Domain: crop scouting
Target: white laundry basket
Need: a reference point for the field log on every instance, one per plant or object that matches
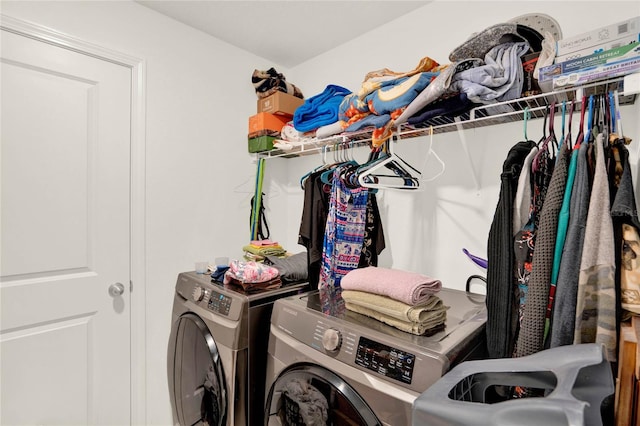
(572, 382)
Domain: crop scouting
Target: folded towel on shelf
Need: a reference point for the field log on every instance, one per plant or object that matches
(408, 287)
(319, 110)
(427, 313)
(386, 98)
(373, 78)
(329, 130)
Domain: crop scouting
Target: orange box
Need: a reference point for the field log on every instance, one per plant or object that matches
(266, 121)
(280, 103)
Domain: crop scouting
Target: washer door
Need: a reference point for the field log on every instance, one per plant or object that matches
(310, 394)
(199, 394)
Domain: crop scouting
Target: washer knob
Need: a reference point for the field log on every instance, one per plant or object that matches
(331, 339)
(198, 293)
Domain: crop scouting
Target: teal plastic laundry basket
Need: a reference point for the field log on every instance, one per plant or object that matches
(571, 381)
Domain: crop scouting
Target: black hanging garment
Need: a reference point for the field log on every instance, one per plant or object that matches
(500, 257)
(313, 222)
(626, 227)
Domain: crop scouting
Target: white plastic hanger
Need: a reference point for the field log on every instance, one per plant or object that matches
(431, 153)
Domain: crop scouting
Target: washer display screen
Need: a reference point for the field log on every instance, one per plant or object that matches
(219, 303)
(385, 360)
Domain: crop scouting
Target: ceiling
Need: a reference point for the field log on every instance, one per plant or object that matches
(284, 32)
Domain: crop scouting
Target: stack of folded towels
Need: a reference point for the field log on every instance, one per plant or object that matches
(257, 250)
(404, 300)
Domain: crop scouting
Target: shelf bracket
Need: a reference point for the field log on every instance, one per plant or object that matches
(463, 142)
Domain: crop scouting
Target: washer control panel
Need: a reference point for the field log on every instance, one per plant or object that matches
(219, 303)
(385, 360)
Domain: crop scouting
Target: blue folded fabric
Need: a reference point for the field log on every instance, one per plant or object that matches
(319, 110)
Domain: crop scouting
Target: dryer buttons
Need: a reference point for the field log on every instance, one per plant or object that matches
(331, 339)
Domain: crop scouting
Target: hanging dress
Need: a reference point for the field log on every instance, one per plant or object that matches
(343, 238)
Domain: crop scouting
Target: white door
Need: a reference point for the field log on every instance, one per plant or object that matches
(65, 188)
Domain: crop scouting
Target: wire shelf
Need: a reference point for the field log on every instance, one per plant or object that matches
(481, 116)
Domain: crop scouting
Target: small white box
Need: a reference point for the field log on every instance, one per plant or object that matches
(598, 36)
(598, 48)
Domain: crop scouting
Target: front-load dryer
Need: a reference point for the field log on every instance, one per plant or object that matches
(357, 370)
(217, 351)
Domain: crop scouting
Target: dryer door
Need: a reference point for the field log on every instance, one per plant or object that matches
(310, 394)
(199, 394)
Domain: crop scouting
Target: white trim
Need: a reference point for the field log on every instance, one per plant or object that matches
(137, 190)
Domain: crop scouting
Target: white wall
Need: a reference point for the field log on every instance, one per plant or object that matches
(198, 171)
(200, 177)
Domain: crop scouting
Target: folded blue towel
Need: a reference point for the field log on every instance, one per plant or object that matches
(319, 110)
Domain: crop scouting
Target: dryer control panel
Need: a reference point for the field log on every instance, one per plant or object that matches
(219, 303)
(385, 360)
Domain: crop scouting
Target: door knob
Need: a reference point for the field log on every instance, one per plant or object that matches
(116, 289)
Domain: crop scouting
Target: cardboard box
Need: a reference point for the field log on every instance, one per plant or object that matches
(598, 36)
(603, 58)
(266, 121)
(635, 38)
(261, 143)
(264, 133)
(599, 72)
(280, 103)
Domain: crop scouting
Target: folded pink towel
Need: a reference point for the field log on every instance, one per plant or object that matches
(407, 287)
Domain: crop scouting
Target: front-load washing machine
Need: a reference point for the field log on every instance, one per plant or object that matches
(350, 369)
(217, 351)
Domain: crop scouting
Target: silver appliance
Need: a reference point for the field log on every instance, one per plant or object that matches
(217, 351)
(368, 373)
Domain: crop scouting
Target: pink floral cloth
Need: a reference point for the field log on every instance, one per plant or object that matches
(250, 272)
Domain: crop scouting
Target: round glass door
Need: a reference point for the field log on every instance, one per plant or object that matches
(200, 396)
(306, 394)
